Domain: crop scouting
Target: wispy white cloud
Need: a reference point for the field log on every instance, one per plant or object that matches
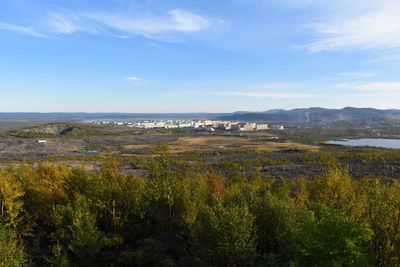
(124, 25)
(291, 3)
(60, 23)
(175, 20)
(264, 95)
(133, 79)
(388, 55)
(20, 29)
(272, 90)
(367, 24)
(358, 74)
(270, 95)
(343, 24)
(280, 86)
(371, 86)
(137, 80)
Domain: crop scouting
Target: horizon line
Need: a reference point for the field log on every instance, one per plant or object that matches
(184, 112)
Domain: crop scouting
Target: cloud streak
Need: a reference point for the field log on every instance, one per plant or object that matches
(174, 21)
(258, 94)
(266, 95)
(272, 90)
(372, 86)
(127, 24)
(61, 24)
(280, 86)
(21, 29)
(358, 25)
(336, 25)
(133, 79)
(358, 74)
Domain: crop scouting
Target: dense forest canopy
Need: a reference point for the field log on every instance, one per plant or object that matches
(186, 214)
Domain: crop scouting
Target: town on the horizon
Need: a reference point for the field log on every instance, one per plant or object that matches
(201, 125)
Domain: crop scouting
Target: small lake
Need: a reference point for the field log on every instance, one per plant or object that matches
(385, 143)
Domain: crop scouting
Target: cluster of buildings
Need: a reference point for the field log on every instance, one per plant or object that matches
(206, 125)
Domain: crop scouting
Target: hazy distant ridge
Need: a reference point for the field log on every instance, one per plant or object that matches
(316, 115)
(79, 116)
(275, 115)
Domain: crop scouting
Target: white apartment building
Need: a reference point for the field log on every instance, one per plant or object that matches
(262, 127)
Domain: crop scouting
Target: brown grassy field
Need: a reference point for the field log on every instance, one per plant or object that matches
(224, 143)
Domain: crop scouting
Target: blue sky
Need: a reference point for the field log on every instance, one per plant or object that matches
(198, 55)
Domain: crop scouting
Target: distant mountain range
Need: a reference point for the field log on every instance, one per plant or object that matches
(316, 115)
(82, 116)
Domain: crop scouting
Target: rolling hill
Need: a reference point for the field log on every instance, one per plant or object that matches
(316, 115)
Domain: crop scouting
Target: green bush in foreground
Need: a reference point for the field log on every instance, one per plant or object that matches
(11, 250)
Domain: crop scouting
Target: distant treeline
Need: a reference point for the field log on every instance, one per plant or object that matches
(182, 216)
